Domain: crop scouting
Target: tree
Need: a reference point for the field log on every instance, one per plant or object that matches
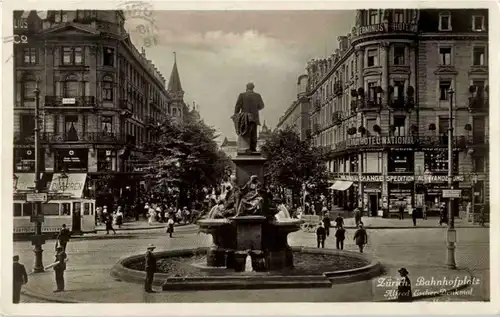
(185, 156)
(291, 163)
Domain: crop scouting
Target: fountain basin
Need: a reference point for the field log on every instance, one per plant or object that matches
(312, 269)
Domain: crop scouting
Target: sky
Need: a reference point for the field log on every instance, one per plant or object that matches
(219, 52)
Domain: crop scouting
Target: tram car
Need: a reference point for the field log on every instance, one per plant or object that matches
(63, 206)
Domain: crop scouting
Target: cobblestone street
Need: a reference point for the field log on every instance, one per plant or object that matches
(421, 251)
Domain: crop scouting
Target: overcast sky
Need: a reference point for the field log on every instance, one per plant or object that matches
(218, 52)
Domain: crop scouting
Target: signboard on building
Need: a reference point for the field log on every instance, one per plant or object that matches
(400, 178)
(452, 193)
(75, 186)
(68, 101)
(36, 197)
(381, 140)
(386, 28)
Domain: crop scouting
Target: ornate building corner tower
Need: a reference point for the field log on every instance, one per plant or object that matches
(174, 89)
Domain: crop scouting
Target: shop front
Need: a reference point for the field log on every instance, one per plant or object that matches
(72, 160)
(24, 160)
(400, 195)
(372, 199)
(345, 193)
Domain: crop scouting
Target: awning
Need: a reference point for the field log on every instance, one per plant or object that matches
(341, 185)
(76, 183)
(25, 181)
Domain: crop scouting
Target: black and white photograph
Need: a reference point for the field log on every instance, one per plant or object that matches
(250, 156)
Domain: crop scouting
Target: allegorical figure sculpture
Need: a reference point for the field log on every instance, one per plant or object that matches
(251, 200)
(246, 118)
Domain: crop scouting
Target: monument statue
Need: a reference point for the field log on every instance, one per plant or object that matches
(246, 119)
(251, 200)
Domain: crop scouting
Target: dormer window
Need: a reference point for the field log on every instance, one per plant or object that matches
(60, 16)
(373, 17)
(478, 23)
(398, 16)
(445, 21)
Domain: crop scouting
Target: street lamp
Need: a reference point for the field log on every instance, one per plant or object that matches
(451, 234)
(473, 198)
(15, 180)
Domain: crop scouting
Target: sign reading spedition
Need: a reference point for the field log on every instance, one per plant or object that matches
(386, 28)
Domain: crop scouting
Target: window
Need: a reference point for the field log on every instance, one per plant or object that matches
(373, 17)
(29, 56)
(398, 16)
(107, 124)
(29, 211)
(438, 161)
(352, 68)
(107, 88)
(72, 56)
(399, 125)
(444, 88)
(478, 56)
(399, 87)
(27, 124)
(479, 84)
(60, 16)
(71, 86)
(109, 56)
(444, 125)
(399, 55)
(445, 21)
(479, 164)
(28, 88)
(401, 161)
(17, 210)
(70, 128)
(372, 58)
(370, 123)
(445, 55)
(51, 209)
(372, 92)
(478, 23)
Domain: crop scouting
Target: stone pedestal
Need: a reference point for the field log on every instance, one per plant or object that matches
(216, 257)
(248, 164)
(276, 260)
(258, 261)
(240, 258)
(230, 259)
(249, 232)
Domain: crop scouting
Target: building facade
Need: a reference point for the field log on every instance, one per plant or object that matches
(380, 103)
(230, 147)
(99, 96)
(297, 115)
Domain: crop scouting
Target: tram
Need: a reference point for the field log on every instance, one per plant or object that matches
(63, 206)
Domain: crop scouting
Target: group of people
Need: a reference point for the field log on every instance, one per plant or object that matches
(323, 231)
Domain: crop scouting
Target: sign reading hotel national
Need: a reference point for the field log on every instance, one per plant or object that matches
(381, 140)
(386, 28)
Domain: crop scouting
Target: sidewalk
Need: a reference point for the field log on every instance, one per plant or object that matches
(137, 225)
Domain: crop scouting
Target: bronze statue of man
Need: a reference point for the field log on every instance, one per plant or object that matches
(246, 118)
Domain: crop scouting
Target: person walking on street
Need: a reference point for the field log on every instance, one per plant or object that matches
(361, 237)
(20, 278)
(357, 216)
(170, 226)
(64, 236)
(401, 212)
(109, 224)
(339, 222)
(404, 286)
(150, 269)
(59, 269)
(340, 237)
(327, 223)
(414, 217)
(321, 235)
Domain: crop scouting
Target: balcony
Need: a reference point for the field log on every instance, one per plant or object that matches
(23, 138)
(478, 104)
(125, 109)
(57, 103)
(367, 105)
(82, 137)
(336, 117)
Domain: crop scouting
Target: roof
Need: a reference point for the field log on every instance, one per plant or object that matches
(174, 84)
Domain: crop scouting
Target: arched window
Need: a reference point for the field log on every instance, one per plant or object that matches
(71, 86)
(107, 88)
(28, 86)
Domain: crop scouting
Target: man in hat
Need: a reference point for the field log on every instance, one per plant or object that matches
(20, 278)
(361, 237)
(321, 235)
(404, 286)
(59, 268)
(150, 269)
(64, 236)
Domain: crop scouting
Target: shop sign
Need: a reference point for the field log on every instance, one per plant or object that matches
(350, 178)
(400, 178)
(387, 27)
(452, 193)
(372, 178)
(441, 178)
(68, 101)
(381, 140)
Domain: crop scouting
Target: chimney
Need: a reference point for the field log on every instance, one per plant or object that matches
(143, 52)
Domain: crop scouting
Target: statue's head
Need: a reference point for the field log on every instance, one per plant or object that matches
(250, 86)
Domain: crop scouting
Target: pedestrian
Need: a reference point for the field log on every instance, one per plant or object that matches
(170, 226)
(357, 216)
(361, 237)
(150, 269)
(119, 217)
(20, 278)
(339, 221)
(327, 223)
(404, 286)
(340, 237)
(109, 224)
(482, 214)
(414, 217)
(321, 235)
(59, 269)
(64, 236)
(401, 212)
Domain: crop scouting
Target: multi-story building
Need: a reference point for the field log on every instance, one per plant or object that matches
(99, 96)
(380, 105)
(297, 115)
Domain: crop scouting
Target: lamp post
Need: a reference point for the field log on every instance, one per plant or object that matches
(473, 198)
(451, 234)
(38, 239)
